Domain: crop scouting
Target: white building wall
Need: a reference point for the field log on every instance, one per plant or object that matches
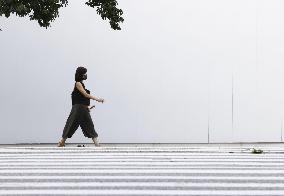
(178, 72)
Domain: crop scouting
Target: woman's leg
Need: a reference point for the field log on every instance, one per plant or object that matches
(61, 143)
(96, 142)
(71, 125)
(87, 126)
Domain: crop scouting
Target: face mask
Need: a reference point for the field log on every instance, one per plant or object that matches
(84, 76)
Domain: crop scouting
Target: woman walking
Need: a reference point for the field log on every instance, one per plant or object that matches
(80, 112)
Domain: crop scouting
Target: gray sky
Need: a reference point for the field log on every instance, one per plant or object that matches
(178, 71)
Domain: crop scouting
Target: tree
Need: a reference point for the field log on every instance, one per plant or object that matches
(46, 11)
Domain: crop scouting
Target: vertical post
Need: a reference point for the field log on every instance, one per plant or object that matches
(281, 130)
(233, 102)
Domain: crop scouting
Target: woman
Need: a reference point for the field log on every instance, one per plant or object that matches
(80, 112)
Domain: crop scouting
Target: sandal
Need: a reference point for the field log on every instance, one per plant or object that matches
(96, 142)
(61, 144)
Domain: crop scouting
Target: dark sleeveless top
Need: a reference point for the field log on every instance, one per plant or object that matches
(78, 97)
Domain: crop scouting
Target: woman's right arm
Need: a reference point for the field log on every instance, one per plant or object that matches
(80, 87)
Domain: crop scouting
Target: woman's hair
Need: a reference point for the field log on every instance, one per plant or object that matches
(80, 71)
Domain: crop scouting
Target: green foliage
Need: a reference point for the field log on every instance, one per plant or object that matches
(107, 9)
(46, 11)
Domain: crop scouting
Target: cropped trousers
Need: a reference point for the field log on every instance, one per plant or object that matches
(79, 116)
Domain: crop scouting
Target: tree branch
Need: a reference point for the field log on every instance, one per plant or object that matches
(46, 11)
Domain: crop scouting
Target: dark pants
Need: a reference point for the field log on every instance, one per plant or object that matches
(79, 115)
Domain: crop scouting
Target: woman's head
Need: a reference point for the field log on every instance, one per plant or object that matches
(81, 74)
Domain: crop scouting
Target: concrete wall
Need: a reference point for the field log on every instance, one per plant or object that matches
(179, 72)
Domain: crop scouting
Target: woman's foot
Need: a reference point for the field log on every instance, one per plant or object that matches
(61, 143)
(96, 142)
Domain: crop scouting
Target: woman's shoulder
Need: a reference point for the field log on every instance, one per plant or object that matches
(79, 83)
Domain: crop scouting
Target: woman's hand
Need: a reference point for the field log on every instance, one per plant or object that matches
(97, 99)
(101, 100)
